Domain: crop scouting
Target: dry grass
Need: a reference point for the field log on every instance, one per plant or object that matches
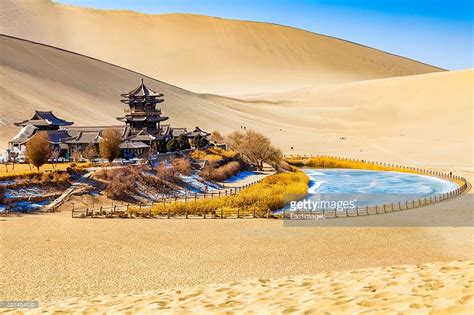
(265, 196)
(223, 172)
(24, 169)
(213, 154)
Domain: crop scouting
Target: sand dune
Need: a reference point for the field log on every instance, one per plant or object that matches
(432, 288)
(421, 118)
(200, 53)
(86, 91)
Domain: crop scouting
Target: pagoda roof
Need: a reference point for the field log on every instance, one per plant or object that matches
(44, 118)
(142, 91)
(54, 136)
(79, 132)
(24, 134)
(85, 137)
(176, 132)
(133, 145)
(155, 118)
(199, 131)
(143, 135)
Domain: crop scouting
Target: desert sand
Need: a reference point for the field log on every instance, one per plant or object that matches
(296, 87)
(432, 288)
(201, 53)
(422, 120)
(52, 257)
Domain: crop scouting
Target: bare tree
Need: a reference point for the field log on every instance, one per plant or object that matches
(54, 156)
(38, 149)
(150, 153)
(256, 149)
(5, 161)
(234, 140)
(217, 137)
(109, 144)
(182, 166)
(90, 152)
(76, 155)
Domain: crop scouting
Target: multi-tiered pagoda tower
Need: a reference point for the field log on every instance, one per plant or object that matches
(143, 114)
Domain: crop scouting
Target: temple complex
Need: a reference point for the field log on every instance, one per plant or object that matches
(142, 129)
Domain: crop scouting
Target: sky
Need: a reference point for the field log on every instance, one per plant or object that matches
(436, 32)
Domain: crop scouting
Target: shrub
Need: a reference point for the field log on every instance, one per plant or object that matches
(166, 174)
(122, 182)
(225, 171)
(182, 166)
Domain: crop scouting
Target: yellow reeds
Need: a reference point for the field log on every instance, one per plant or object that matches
(267, 195)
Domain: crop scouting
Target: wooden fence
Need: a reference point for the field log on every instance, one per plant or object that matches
(391, 207)
(146, 210)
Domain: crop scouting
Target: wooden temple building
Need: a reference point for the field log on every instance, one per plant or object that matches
(142, 129)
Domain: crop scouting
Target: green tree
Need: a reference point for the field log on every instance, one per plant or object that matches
(183, 142)
(173, 145)
(200, 141)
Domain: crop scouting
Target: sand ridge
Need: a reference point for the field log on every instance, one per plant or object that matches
(422, 120)
(202, 53)
(430, 288)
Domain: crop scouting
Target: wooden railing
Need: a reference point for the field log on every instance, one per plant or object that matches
(145, 209)
(391, 207)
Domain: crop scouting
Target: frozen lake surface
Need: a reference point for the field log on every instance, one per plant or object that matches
(373, 187)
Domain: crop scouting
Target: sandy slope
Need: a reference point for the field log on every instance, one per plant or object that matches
(421, 120)
(86, 91)
(203, 53)
(432, 288)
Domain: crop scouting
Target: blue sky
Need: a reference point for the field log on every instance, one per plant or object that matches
(436, 32)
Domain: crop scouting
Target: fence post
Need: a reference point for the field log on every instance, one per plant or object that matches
(222, 213)
(268, 213)
(238, 212)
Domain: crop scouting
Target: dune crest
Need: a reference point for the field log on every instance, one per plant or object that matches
(413, 114)
(432, 288)
(202, 53)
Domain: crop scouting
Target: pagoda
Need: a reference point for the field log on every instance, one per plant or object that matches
(142, 114)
